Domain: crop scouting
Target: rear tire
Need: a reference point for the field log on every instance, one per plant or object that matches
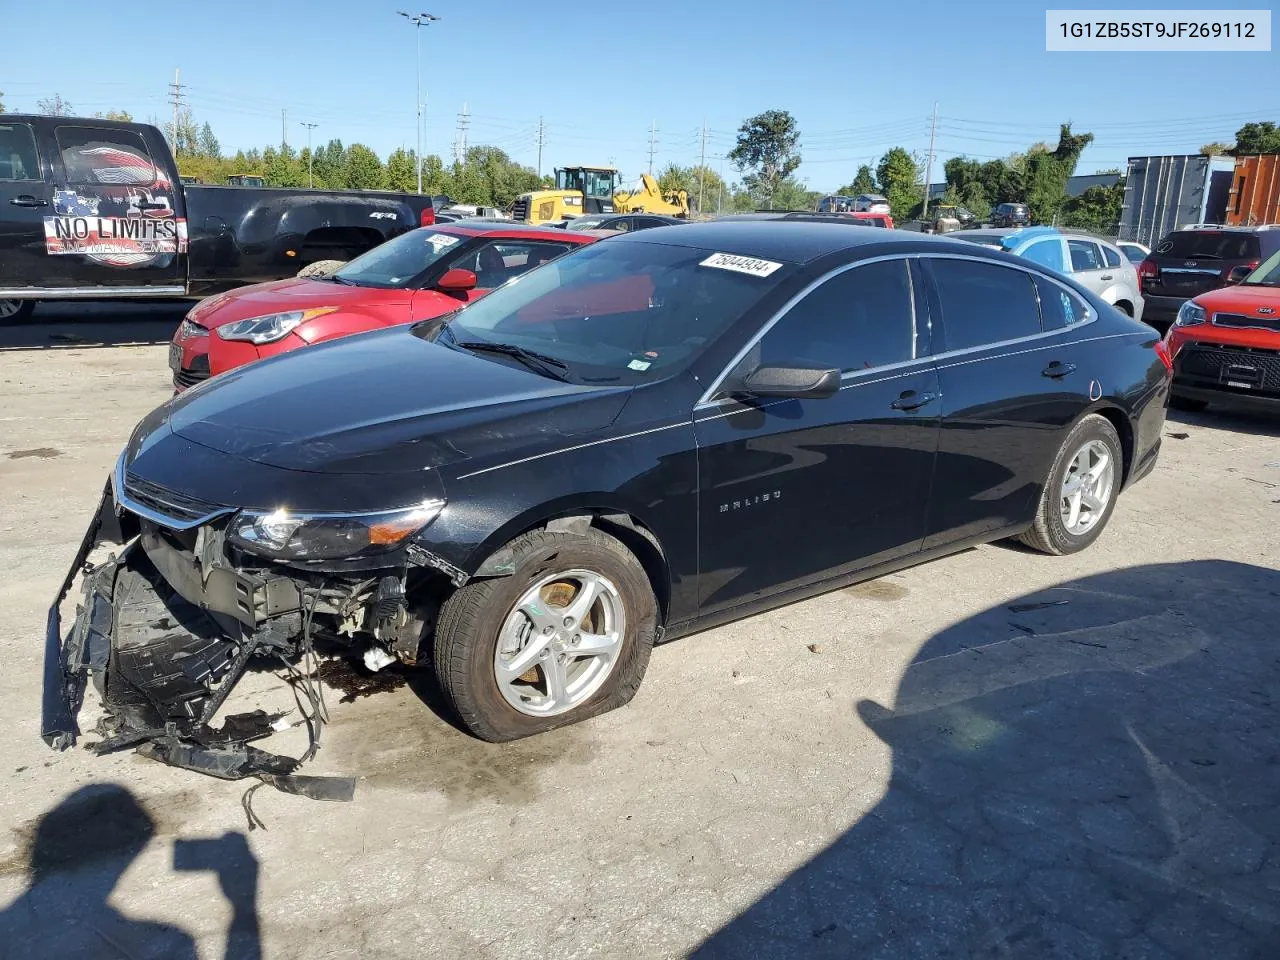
(478, 617)
(13, 312)
(1069, 492)
(1186, 404)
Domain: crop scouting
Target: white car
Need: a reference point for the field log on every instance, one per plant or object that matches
(1133, 251)
(870, 203)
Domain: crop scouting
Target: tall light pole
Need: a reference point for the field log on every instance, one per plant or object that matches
(310, 152)
(418, 20)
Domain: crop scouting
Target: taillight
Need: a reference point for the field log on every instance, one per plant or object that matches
(428, 217)
(1162, 351)
(1147, 271)
(1252, 265)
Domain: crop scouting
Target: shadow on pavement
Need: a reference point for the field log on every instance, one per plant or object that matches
(81, 325)
(78, 853)
(1088, 772)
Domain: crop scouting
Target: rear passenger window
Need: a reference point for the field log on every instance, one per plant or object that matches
(984, 303)
(1059, 307)
(858, 319)
(1113, 256)
(98, 155)
(18, 158)
(1084, 255)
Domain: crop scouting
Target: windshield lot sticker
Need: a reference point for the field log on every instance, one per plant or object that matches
(441, 241)
(639, 365)
(731, 261)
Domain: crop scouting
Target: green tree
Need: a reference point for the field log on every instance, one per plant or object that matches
(402, 171)
(330, 166)
(184, 138)
(1097, 208)
(707, 189)
(364, 171)
(435, 178)
(863, 182)
(284, 168)
(469, 185)
(207, 143)
(1, 101)
(898, 175)
(123, 115)
(791, 194)
(1048, 172)
(1218, 149)
(767, 152)
(1257, 138)
(504, 178)
(54, 106)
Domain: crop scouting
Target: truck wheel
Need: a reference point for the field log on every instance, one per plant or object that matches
(321, 268)
(1080, 491)
(564, 637)
(15, 311)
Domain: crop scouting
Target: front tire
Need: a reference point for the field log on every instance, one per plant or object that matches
(509, 651)
(15, 311)
(1080, 492)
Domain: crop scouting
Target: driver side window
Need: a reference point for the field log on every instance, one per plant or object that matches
(497, 262)
(857, 320)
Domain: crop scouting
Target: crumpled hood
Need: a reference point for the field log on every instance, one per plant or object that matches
(384, 402)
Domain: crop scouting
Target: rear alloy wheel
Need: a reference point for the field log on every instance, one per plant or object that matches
(1081, 490)
(15, 311)
(566, 636)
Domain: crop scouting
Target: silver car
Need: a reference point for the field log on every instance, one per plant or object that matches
(1092, 262)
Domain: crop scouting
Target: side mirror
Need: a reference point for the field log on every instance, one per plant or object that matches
(1238, 274)
(456, 280)
(791, 380)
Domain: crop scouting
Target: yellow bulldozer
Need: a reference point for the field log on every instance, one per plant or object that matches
(583, 190)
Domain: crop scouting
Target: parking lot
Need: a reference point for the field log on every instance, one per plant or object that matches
(999, 754)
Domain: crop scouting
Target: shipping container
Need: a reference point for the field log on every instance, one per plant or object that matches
(1255, 192)
(1163, 194)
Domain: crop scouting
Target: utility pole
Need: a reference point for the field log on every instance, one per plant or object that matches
(284, 129)
(418, 21)
(175, 97)
(541, 141)
(310, 153)
(928, 166)
(653, 131)
(460, 142)
(702, 164)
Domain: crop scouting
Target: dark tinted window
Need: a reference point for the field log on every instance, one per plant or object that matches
(1209, 245)
(18, 159)
(984, 303)
(97, 155)
(1112, 257)
(1058, 307)
(858, 319)
(497, 262)
(1084, 255)
(1134, 254)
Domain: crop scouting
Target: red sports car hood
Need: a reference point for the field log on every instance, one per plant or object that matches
(296, 293)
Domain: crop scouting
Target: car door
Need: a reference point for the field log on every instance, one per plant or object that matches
(115, 217)
(26, 197)
(793, 491)
(1088, 266)
(1011, 383)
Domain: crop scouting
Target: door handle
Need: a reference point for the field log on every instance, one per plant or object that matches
(1058, 369)
(1107, 276)
(26, 200)
(910, 400)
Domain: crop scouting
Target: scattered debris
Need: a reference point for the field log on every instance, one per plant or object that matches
(1204, 763)
(1272, 464)
(1087, 643)
(1024, 607)
(1029, 631)
(823, 931)
(1178, 436)
(737, 673)
(815, 648)
(41, 453)
(1265, 483)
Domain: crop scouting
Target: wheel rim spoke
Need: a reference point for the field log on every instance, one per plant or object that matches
(1086, 487)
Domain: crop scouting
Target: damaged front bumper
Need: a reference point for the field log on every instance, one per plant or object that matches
(165, 637)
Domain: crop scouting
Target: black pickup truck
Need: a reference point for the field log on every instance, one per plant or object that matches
(95, 209)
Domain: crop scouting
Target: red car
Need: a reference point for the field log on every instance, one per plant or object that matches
(416, 276)
(874, 219)
(1226, 345)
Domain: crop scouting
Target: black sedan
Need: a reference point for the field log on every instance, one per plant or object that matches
(625, 222)
(650, 436)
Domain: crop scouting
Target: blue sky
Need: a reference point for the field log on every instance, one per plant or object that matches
(859, 78)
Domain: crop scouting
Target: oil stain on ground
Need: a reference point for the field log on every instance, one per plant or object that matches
(40, 453)
(404, 739)
(877, 590)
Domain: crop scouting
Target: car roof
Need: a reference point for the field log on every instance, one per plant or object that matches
(774, 238)
(494, 228)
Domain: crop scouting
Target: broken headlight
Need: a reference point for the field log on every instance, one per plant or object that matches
(285, 535)
(269, 328)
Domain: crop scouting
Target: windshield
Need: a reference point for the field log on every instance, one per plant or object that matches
(584, 223)
(619, 312)
(1135, 254)
(1209, 245)
(395, 263)
(1268, 274)
(600, 183)
(985, 240)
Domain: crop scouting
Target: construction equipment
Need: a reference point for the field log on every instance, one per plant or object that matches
(583, 190)
(645, 196)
